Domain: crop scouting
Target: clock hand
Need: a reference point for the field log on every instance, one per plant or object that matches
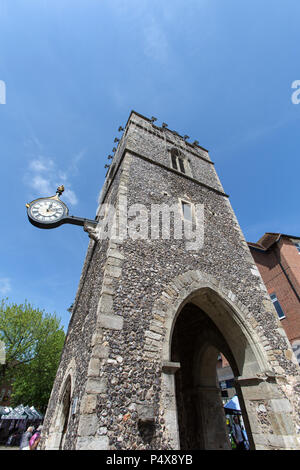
(51, 204)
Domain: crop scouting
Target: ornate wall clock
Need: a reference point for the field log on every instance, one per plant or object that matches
(50, 212)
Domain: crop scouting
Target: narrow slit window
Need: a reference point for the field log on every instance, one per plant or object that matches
(181, 165)
(277, 306)
(111, 171)
(174, 162)
(297, 245)
(187, 211)
(178, 161)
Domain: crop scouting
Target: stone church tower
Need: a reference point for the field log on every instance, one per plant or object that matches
(167, 285)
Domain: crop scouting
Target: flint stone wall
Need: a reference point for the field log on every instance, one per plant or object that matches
(118, 325)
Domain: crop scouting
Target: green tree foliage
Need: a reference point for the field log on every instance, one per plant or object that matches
(33, 344)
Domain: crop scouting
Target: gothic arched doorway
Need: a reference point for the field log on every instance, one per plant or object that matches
(196, 344)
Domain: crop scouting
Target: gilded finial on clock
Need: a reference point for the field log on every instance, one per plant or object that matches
(60, 190)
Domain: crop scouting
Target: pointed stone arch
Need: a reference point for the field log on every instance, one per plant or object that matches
(194, 286)
(255, 377)
(55, 439)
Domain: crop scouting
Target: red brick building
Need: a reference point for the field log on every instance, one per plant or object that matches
(277, 257)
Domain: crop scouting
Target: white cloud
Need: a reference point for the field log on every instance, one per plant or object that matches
(42, 185)
(5, 285)
(41, 165)
(44, 176)
(70, 196)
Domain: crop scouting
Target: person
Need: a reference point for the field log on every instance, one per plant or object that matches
(14, 439)
(33, 443)
(9, 441)
(24, 445)
(237, 434)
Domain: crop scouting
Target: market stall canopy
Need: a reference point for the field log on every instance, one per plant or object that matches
(22, 412)
(233, 405)
(4, 410)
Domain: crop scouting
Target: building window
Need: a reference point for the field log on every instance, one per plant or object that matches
(297, 245)
(187, 210)
(277, 306)
(296, 349)
(178, 162)
(111, 171)
(174, 162)
(181, 165)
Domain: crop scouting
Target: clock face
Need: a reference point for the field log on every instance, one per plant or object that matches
(47, 211)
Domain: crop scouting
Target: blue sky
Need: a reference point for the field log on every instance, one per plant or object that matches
(218, 71)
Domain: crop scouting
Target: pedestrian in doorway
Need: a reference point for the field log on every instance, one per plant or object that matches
(237, 434)
(34, 441)
(24, 445)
